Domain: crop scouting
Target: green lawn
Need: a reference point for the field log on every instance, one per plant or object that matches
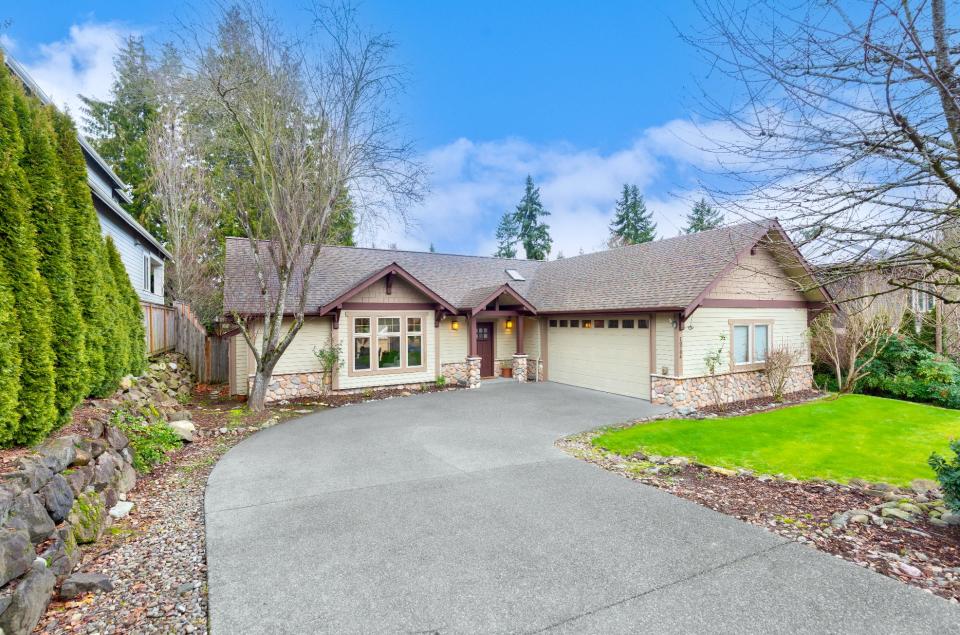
(855, 436)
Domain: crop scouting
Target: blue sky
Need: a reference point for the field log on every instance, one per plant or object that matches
(584, 96)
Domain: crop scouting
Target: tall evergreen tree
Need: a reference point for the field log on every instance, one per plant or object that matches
(532, 232)
(632, 224)
(343, 222)
(507, 236)
(118, 126)
(116, 353)
(9, 361)
(21, 258)
(702, 218)
(86, 252)
(128, 306)
(40, 164)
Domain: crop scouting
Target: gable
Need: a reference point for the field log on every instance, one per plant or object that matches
(756, 276)
(400, 291)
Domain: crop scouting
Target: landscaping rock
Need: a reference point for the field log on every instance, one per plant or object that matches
(79, 478)
(63, 554)
(30, 476)
(860, 519)
(126, 478)
(6, 503)
(88, 517)
(106, 468)
(96, 428)
(57, 497)
(910, 508)
(98, 447)
(896, 512)
(184, 415)
(922, 485)
(722, 471)
(16, 553)
(27, 600)
(58, 454)
(82, 583)
(117, 439)
(950, 518)
(29, 509)
(909, 569)
(184, 429)
(121, 509)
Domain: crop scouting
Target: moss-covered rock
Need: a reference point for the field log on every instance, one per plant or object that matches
(88, 517)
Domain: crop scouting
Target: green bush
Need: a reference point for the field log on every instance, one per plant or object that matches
(948, 475)
(9, 361)
(46, 213)
(129, 308)
(21, 259)
(906, 369)
(150, 441)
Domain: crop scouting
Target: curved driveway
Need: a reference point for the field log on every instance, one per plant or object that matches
(453, 512)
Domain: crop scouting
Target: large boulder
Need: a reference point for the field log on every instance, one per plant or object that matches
(125, 479)
(89, 517)
(117, 439)
(79, 478)
(183, 429)
(27, 600)
(57, 497)
(63, 554)
(29, 509)
(16, 553)
(105, 470)
(58, 454)
(29, 477)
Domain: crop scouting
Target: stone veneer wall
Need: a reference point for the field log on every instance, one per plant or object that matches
(520, 368)
(59, 496)
(697, 392)
(310, 386)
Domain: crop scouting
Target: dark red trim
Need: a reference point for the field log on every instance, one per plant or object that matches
(472, 326)
(746, 303)
(389, 306)
(627, 311)
(504, 288)
(496, 314)
(393, 269)
(390, 283)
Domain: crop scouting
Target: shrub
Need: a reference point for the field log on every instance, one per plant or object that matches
(441, 381)
(150, 441)
(777, 368)
(905, 369)
(129, 308)
(948, 475)
(9, 361)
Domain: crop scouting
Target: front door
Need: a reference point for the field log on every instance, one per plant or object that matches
(485, 348)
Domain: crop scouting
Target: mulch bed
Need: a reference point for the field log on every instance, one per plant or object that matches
(917, 553)
(760, 404)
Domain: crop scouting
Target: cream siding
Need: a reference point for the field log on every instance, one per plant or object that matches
(611, 360)
(704, 328)
(401, 291)
(665, 339)
(505, 344)
(239, 358)
(757, 277)
(531, 337)
(360, 380)
(454, 345)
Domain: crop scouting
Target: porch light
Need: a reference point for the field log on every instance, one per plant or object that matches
(509, 324)
(455, 325)
(588, 324)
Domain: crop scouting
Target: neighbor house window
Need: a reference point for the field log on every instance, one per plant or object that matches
(361, 344)
(922, 300)
(750, 343)
(147, 274)
(414, 341)
(388, 342)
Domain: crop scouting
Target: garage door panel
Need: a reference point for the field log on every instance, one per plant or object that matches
(612, 360)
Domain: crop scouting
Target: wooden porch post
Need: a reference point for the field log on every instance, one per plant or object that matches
(472, 326)
(519, 335)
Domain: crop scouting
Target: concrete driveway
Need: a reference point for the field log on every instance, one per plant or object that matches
(454, 513)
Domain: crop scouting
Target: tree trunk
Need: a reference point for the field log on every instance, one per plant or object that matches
(261, 380)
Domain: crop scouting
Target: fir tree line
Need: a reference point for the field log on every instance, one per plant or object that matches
(70, 321)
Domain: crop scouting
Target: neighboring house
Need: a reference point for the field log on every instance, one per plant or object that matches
(142, 254)
(636, 321)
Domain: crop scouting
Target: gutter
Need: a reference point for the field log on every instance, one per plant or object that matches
(127, 218)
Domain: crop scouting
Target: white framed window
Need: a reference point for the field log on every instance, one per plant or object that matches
(414, 342)
(388, 342)
(749, 343)
(921, 300)
(147, 274)
(361, 343)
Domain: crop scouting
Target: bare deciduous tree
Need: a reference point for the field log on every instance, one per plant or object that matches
(311, 113)
(777, 368)
(850, 349)
(181, 192)
(846, 127)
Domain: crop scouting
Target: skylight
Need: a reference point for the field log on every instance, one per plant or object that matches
(514, 274)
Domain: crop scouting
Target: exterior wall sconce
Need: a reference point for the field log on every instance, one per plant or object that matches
(455, 325)
(588, 324)
(509, 324)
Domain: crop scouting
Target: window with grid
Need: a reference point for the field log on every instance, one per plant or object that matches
(414, 341)
(361, 344)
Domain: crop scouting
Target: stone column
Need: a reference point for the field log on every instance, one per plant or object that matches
(473, 372)
(520, 368)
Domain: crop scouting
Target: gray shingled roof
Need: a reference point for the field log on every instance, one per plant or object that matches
(666, 274)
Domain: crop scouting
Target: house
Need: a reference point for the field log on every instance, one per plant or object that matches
(143, 256)
(636, 321)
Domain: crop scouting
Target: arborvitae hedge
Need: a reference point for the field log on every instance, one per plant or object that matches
(46, 211)
(20, 255)
(9, 361)
(86, 253)
(70, 320)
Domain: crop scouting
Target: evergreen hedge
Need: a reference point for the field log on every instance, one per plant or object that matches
(70, 320)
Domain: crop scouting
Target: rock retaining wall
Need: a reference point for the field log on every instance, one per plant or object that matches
(691, 393)
(58, 497)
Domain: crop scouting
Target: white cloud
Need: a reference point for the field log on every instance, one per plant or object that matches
(474, 183)
(8, 43)
(82, 63)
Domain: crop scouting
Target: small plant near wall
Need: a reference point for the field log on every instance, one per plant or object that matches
(150, 441)
(777, 369)
(714, 362)
(441, 381)
(330, 358)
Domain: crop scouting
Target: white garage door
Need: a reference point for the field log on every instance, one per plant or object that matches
(611, 354)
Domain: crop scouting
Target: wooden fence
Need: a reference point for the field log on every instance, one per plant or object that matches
(159, 326)
(208, 354)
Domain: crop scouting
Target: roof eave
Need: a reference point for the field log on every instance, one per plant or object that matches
(128, 219)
